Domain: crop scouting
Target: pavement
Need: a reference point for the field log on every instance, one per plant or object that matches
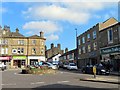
(103, 79)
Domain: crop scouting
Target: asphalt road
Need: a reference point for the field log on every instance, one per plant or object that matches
(62, 79)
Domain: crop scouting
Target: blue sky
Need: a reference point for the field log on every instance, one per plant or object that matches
(57, 20)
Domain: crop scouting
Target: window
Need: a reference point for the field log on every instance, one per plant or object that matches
(83, 39)
(94, 34)
(21, 42)
(33, 42)
(6, 50)
(2, 51)
(42, 43)
(22, 50)
(70, 56)
(110, 36)
(95, 46)
(89, 48)
(79, 42)
(83, 49)
(19, 51)
(64, 57)
(23, 62)
(79, 50)
(88, 37)
(42, 51)
(14, 50)
(33, 51)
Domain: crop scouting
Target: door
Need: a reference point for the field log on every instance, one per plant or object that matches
(19, 63)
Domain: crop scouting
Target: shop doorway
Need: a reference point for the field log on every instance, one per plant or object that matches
(32, 61)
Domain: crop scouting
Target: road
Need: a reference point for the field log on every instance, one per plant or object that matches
(61, 79)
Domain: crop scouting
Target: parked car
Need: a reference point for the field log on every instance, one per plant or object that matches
(65, 65)
(3, 66)
(50, 65)
(72, 66)
(99, 70)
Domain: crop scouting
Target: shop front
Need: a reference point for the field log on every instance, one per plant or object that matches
(33, 59)
(19, 61)
(6, 60)
(112, 55)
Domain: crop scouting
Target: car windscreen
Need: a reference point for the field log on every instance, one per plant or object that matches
(72, 65)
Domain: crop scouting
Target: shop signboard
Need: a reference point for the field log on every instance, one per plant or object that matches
(115, 49)
(19, 57)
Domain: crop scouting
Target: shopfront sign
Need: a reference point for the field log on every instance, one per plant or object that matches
(115, 49)
(5, 58)
(19, 57)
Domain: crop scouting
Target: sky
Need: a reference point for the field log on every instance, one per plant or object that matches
(58, 20)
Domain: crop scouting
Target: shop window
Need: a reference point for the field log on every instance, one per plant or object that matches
(23, 62)
(110, 36)
(95, 46)
(89, 48)
(94, 34)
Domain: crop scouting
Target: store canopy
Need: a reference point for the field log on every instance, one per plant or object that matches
(5, 58)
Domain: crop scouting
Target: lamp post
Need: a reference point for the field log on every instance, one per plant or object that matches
(76, 47)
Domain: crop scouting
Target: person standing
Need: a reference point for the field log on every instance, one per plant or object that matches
(94, 71)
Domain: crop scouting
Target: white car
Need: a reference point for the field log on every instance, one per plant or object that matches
(50, 65)
(72, 66)
(2, 66)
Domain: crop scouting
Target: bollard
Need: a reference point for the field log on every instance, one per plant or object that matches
(94, 71)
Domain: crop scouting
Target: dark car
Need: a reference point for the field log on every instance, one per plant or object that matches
(99, 70)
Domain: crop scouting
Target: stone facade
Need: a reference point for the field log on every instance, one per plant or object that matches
(19, 48)
(53, 51)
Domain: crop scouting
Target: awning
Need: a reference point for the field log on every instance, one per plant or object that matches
(5, 58)
(19, 57)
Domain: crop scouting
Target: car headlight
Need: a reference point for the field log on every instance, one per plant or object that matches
(103, 70)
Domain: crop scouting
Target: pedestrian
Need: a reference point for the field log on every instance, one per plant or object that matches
(94, 71)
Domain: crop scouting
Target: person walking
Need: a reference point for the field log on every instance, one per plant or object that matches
(94, 71)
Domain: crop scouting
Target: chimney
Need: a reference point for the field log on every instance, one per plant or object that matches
(58, 45)
(17, 30)
(41, 34)
(66, 50)
(52, 45)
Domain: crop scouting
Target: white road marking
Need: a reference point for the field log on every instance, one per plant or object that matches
(63, 81)
(37, 83)
(8, 84)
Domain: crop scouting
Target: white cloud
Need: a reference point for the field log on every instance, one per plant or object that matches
(46, 26)
(52, 37)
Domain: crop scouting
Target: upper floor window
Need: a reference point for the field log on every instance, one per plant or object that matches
(79, 42)
(33, 50)
(70, 56)
(110, 36)
(34, 42)
(20, 42)
(95, 46)
(83, 49)
(88, 37)
(94, 34)
(79, 51)
(89, 48)
(83, 39)
(42, 43)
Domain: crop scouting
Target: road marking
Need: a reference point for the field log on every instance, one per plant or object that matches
(63, 81)
(37, 83)
(8, 84)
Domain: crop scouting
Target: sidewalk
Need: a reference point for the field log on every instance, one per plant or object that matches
(115, 73)
(103, 79)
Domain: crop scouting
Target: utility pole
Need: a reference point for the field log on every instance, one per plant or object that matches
(76, 48)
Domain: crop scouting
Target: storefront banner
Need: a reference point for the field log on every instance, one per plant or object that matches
(110, 50)
(5, 58)
(37, 57)
(19, 57)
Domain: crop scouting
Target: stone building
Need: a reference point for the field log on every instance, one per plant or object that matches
(110, 45)
(88, 46)
(53, 51)
(19, 50)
